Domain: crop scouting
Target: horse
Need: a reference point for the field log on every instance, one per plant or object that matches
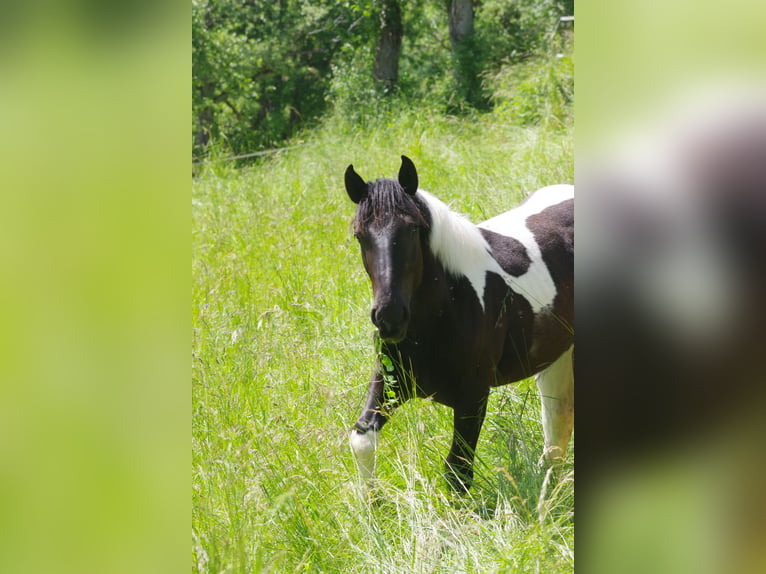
(460, 309)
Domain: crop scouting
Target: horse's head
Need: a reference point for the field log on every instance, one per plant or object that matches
(390, 226)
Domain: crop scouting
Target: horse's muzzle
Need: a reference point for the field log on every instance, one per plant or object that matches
(391, 320)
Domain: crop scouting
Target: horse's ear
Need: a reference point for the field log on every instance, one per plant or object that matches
(355, 185)
(408, 176)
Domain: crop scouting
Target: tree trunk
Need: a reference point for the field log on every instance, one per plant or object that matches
(202, 132)
(389, 43)
(460, 21)
(466, 60)
(205, 118)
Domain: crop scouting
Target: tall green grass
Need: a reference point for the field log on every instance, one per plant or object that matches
(282, 351)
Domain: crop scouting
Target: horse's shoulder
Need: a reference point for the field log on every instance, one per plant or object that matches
(509, 251)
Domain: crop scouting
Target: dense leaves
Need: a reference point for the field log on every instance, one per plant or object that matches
(261, 69)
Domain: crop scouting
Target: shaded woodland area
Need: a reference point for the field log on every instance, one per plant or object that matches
(262, 70)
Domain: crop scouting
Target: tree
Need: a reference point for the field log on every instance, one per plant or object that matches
(386, 68)
(460, 21)
(465, 57)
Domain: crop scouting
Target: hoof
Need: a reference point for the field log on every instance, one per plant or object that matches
(363, 446)
(552, 456)
(459, 477)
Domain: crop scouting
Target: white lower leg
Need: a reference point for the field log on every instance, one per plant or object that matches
(363, 446)
(556, 386)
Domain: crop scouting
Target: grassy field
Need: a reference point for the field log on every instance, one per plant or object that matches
(282, 351)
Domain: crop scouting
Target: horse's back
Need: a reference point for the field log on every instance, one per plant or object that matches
(511, 222)
(544, 225)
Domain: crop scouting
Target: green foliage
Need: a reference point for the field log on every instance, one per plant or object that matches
(426, 62)
(263, 70)
(536, 92)
(282, 350)
(504, 31)
(516, 30)
(260, 68)
(425, 77)
(353, 92)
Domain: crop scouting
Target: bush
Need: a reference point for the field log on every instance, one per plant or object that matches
(261, 69)
(353, 92)
(540, 91)
(518, 29)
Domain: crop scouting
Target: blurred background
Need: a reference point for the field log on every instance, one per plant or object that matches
(671, 213)
(94, 244)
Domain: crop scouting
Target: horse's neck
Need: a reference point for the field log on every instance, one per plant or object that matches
(433, 295)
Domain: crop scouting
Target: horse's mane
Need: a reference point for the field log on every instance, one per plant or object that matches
(459, 245)
(386, 200)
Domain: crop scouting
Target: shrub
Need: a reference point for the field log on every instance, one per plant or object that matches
(540, 91)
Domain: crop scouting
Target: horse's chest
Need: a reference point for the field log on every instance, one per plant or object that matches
(457, 351)
(465, 347)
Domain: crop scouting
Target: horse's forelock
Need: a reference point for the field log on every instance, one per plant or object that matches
(387, 200)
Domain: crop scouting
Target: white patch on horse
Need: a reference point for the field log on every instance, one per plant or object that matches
(462, 249)
(536, 285)
(363, 446)
(459, 245)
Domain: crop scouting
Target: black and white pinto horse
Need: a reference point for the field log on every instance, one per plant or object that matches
(461, 308)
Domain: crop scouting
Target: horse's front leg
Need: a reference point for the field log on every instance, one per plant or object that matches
(469, 417)
(382, 399)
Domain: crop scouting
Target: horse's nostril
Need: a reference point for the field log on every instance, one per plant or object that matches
(391, 320)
